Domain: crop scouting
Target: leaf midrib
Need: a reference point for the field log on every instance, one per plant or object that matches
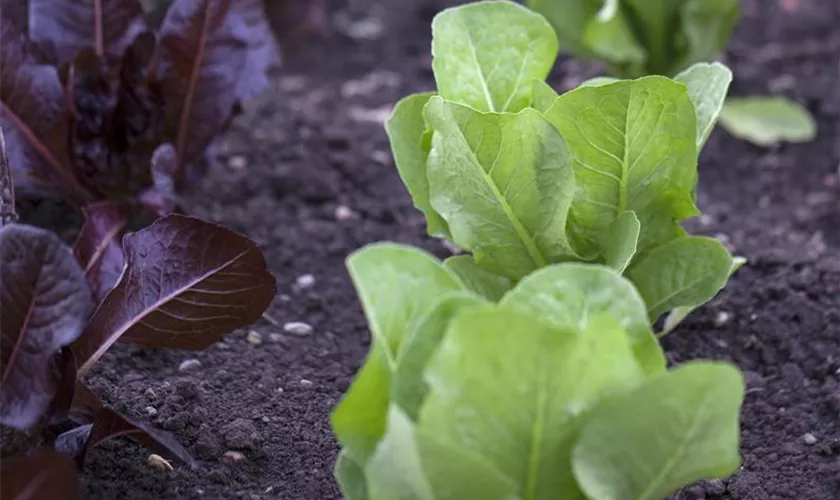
(529, 243)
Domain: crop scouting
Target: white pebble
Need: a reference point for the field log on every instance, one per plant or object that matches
(237, 162)
(809, 438)
(254, 338)
(159, 463)
(189, 364)
(722, 318)
(305, 281)
(234, 456)
(151, 411)
(343, 213)
(303, 381)
(297, 328)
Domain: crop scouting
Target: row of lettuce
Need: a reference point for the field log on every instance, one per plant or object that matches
(528, 366)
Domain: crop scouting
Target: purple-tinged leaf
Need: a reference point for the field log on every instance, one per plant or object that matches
(105, 26)
(33, 115)
(108, 425)
(93, 97)
(203, 56)
(263, 54)
(161, 199)
(64, 368)
(186, 284)
(98, 249)
(44, 303)
(46, 475)
(139, 114)
(7, 188)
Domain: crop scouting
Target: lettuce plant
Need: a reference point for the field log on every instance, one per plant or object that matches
(558, 390)
(522, 178)
(635, 38)
(98, 106)
(180, 282)
(638, 37)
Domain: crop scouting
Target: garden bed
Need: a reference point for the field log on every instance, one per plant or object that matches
(307, 173)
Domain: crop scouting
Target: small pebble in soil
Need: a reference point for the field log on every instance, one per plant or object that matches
(233, 456)
(297, 328)
(150, 393)
(722, 318)
(254, 338)
(237, 162)
(343, 213)
(305, 382)
(189, 364)
(809, 438)
(304, 281)
(151, 411)
(275, 337)
(159, 463)
(240, 435)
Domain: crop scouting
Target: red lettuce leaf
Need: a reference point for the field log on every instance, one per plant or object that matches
(161, 198)
(46, 475)
(203, 56)
(98, 249)
(44, 303)
(8, 213)
(186, 284)
(33, 115)
(108, 425)
(263, 54)
(92, 95)
(139, 115)
(106, 27)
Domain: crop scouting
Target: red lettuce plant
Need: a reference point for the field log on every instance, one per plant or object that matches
(180, 282)
(96, 106)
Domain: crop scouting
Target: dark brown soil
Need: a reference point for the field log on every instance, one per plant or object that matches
(317, 144)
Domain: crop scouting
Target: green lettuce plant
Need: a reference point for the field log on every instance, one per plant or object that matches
(521, 178)
(528, 368)
(558, 390)
(635, 38)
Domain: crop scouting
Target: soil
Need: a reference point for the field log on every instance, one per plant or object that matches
(313, 151)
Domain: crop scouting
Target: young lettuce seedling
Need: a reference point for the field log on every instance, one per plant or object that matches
(97, 106)
(642, 37)
(180, 282)
(520, 177)
(557, 391)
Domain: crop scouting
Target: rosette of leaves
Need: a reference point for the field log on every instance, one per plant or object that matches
(180, 283)
(556, 389)
(98, 106)
(522, 178)
(635, 38)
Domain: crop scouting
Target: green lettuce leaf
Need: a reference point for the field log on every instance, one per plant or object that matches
(673, 430)
(411, 464)
(707, 87)
(572, 295)
(487, 55)
(396, 285)
(410, 143)
(503, 183)
(509, 389)
(768, 120)
(409, 388)
(685, 272)
(476, 279)
(634, 148)
(621, 241)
